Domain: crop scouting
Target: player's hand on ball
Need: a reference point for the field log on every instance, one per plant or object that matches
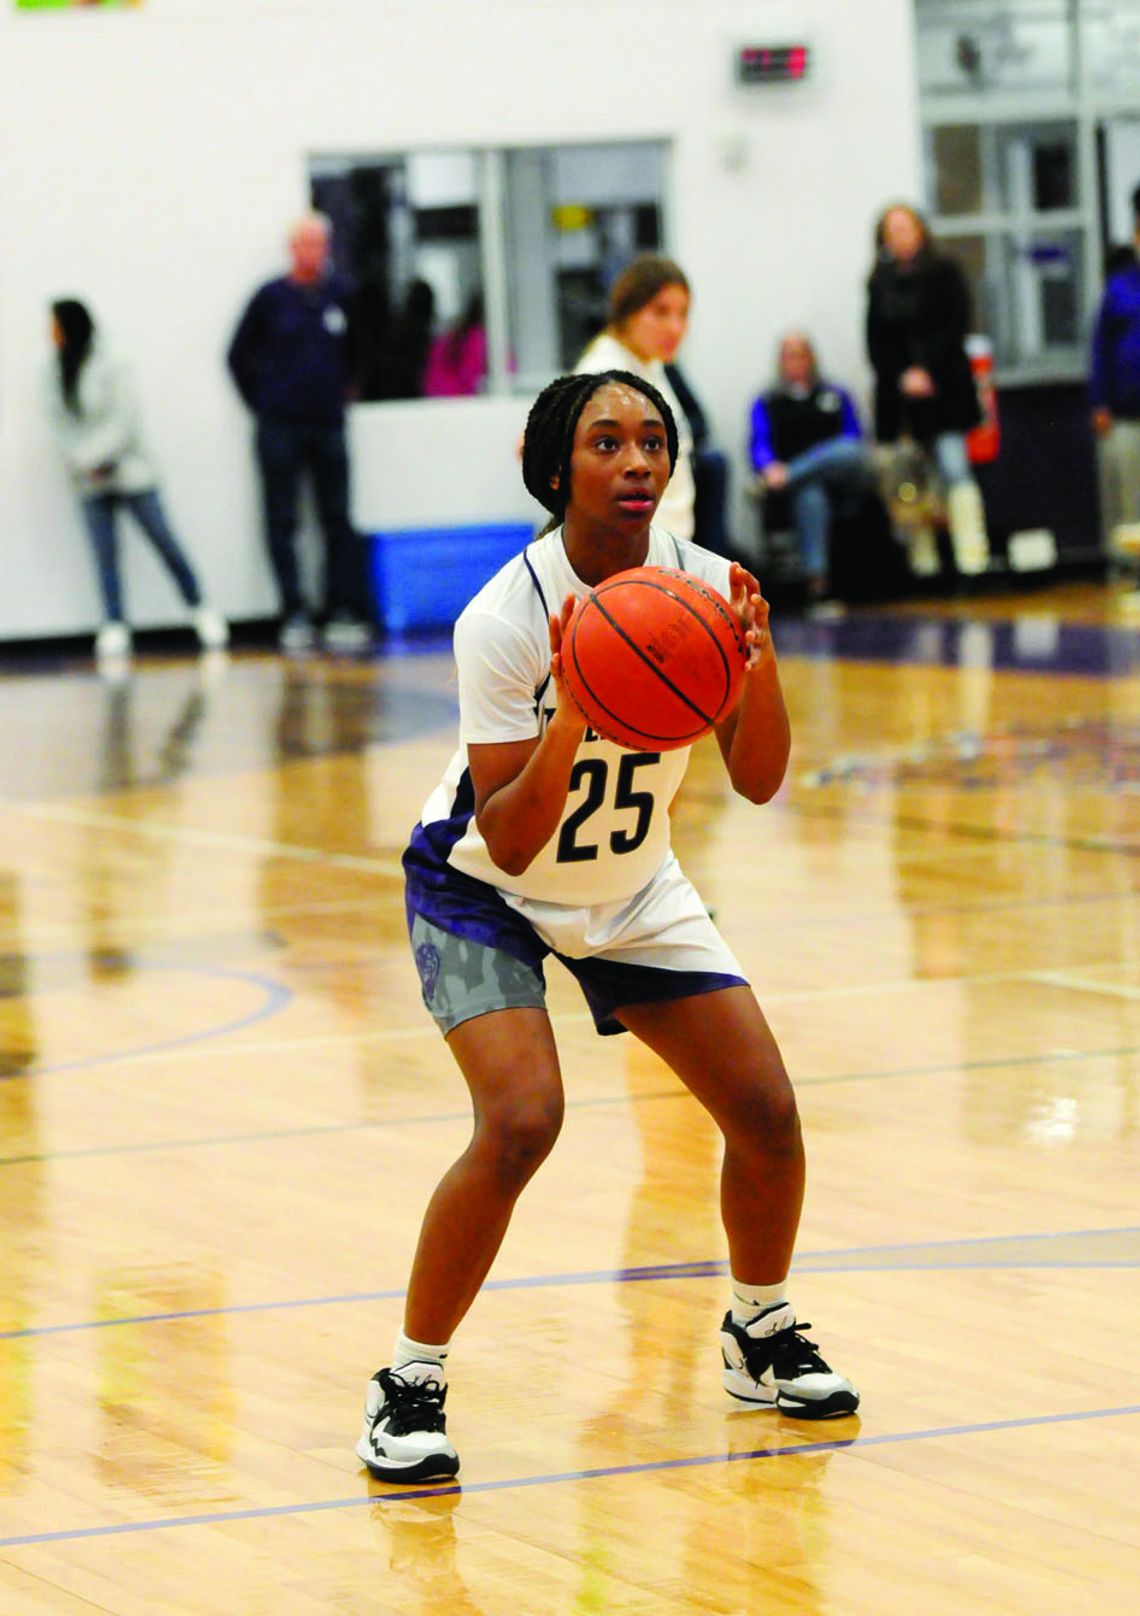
(567, 709)
(752, 611)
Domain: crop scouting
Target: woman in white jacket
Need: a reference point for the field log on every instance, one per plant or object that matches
(94, 414)
(649, 312)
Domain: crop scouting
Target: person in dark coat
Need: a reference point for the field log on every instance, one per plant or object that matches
(293, 359)
(918, 318)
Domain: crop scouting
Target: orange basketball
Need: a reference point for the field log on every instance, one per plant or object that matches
(653, 658)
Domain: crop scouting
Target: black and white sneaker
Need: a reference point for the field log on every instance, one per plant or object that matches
(405, 1429)
(769, 1363)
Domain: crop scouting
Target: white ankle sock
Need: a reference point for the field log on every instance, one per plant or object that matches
(748, 1300)
(407, 1351)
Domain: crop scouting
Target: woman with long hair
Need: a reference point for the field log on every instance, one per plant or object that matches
(648, 317)
(918, 319)
(95, 417)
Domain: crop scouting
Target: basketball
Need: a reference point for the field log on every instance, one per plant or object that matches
(653, 658)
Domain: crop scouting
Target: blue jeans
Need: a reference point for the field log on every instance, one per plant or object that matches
(952, 459)
(833, 478)
(100, 512)
(286, 449)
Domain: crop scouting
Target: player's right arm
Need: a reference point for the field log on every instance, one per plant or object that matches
(521, 786)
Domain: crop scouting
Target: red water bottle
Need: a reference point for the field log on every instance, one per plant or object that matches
(984, 441)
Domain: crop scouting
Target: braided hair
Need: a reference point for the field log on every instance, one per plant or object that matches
(549, 439)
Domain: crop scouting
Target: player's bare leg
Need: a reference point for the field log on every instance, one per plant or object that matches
(510, 1064)
(511, 1067)
(722, 1049)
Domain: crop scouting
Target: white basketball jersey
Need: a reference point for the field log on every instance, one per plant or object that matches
(614, 832)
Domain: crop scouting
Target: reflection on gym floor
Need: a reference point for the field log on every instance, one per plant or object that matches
(222, 1107)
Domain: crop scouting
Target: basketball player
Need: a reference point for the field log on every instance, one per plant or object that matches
(544, 839)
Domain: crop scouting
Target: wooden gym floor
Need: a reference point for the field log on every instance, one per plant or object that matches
(222, 1108)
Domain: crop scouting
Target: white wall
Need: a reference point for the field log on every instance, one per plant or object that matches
(1122, 139)
(150, 160)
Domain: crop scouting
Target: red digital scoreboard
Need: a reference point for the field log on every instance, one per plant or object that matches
(772, 64)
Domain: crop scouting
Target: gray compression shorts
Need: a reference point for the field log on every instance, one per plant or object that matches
(464, 977)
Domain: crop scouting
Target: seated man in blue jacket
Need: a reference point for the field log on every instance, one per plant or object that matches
(808, 449)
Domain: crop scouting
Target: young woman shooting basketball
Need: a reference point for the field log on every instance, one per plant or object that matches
(543, 839)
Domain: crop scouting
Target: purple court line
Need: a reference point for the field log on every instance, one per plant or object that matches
(556, 1478)
(977, 833)
(314, 1131)
(1045, 1058)
(263, 1136)
(711, 1268)
(900, 639)
(277, 996)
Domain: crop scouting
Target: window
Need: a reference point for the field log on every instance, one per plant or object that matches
(1111, 46)
(1010, 107)
(575, 216)
(406, 232)
(486, 271)
(1006, 206)
(988, 47)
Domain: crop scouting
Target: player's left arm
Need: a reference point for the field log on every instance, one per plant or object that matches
(521, 787)
(755, 739)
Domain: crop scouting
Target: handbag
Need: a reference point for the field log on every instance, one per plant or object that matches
(910, 486)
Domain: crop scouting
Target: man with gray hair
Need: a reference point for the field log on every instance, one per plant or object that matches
(293, 360)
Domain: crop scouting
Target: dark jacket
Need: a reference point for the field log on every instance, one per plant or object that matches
(786, 424)
(293, 354)
(694, 413)
(920, 315)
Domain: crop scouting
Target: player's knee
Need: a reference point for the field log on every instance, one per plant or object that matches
(769, 1123)
(523, 1138)
(784, 1124)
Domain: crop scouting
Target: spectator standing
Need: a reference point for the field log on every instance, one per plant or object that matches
(918, 318)
(1114, 394)
(94, 413)
(808, 451)
(293, 360)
